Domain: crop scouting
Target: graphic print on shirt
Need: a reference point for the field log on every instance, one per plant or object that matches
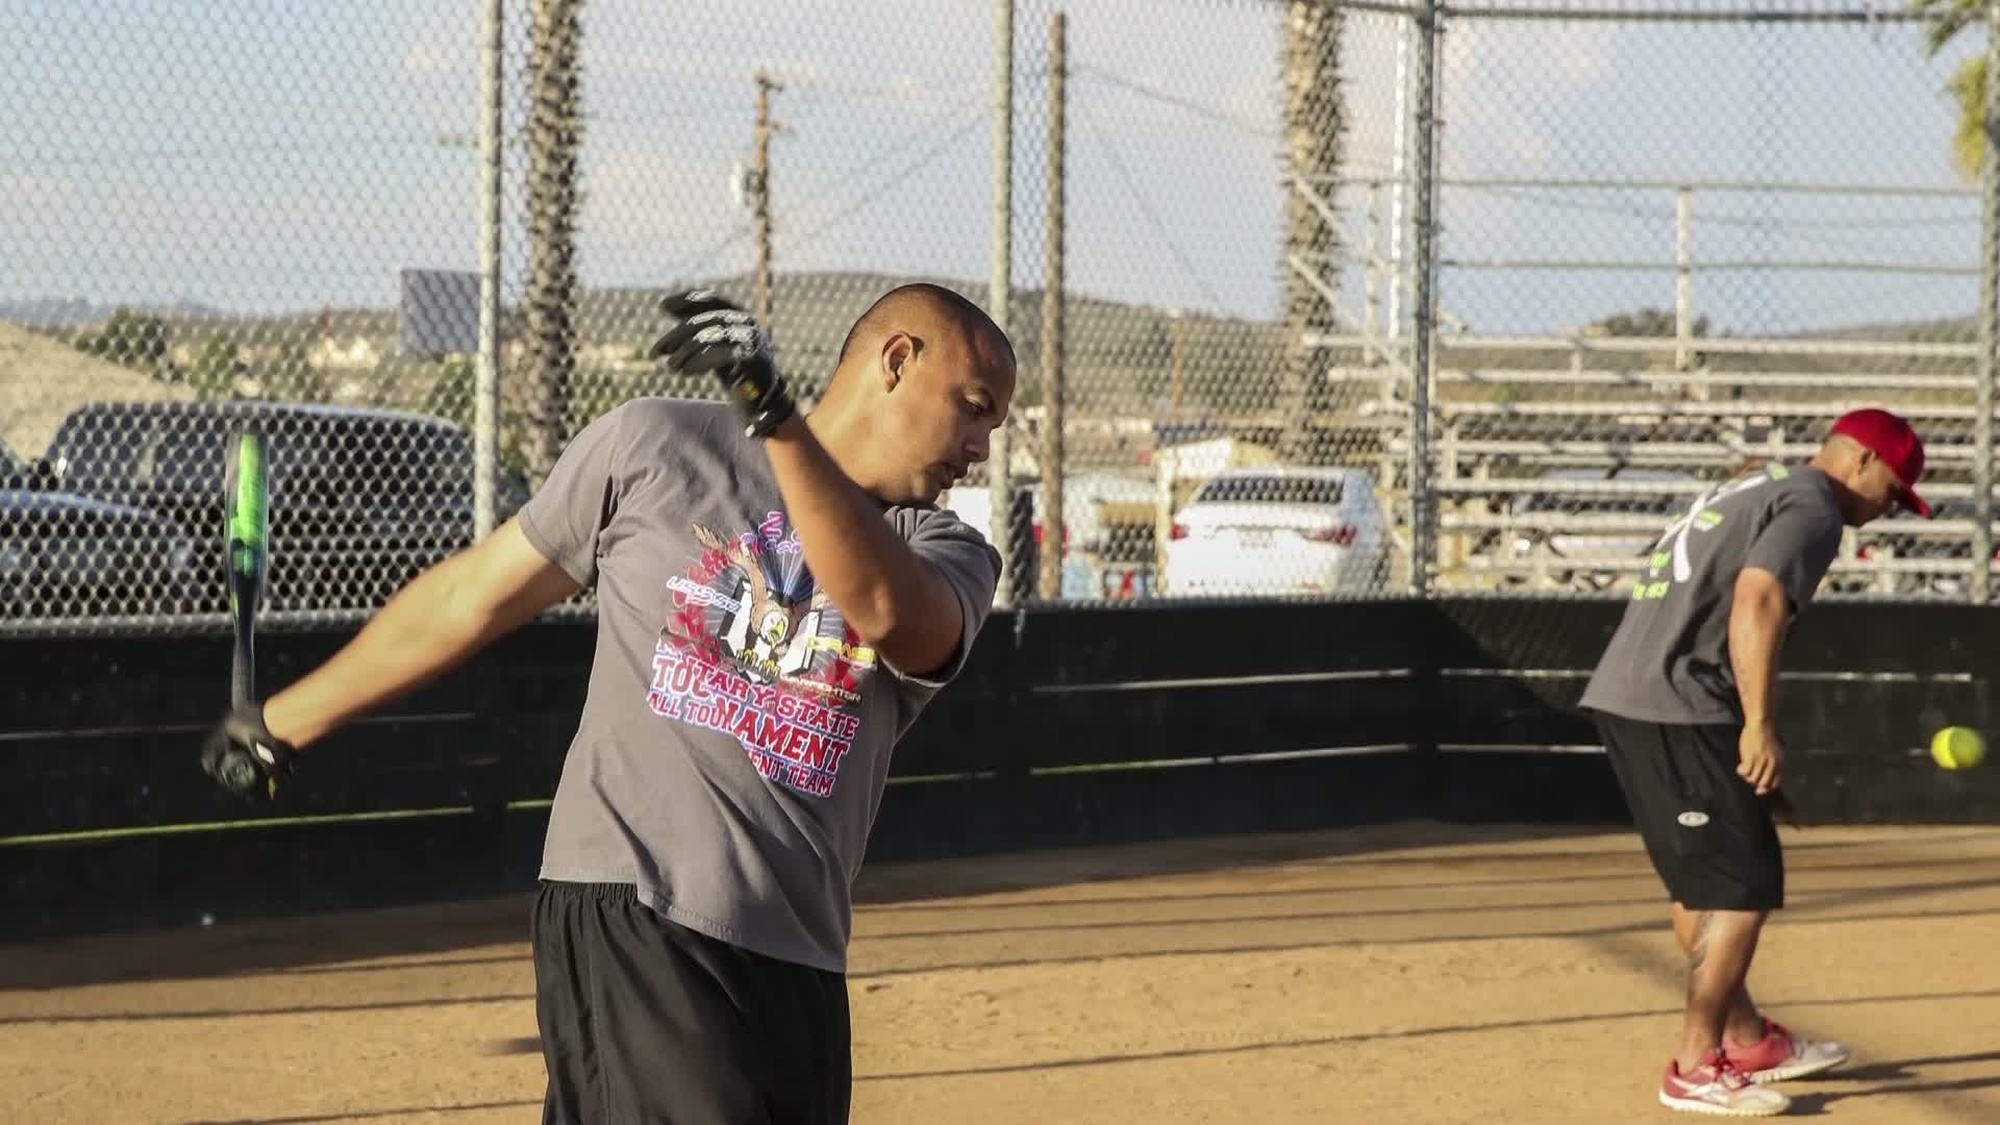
(752, 649)
(1670, 561)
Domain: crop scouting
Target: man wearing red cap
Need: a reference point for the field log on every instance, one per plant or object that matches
(1685, 700)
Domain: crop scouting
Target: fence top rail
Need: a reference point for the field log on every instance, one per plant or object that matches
(1728, 11)
(1734, 12)
(1692, 409)
(1605, 561)
(1564, 486)
(1687, 452)
(1644, 524)
(1705, 377)
(1626, 184)
(1667, 345)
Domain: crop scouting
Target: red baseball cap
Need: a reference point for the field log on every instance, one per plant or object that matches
(1891, 439)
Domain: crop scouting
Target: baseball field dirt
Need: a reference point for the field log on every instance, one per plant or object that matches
(1408, 973)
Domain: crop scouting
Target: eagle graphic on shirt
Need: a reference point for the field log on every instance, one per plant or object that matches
(750, 599)
(752, 649)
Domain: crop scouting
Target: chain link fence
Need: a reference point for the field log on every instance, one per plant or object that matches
(207, 216)
(1634, 247)
(1674, 241)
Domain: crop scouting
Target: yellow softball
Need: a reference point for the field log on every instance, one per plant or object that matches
(1958, 748)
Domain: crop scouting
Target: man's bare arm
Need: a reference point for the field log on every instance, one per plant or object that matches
(1757, 619)
(444, 616)
(896, 601)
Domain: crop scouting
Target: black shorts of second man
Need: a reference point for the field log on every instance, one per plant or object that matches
(1710, 836)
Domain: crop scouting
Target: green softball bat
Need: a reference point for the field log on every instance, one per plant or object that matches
(246, 551)
(248, 506)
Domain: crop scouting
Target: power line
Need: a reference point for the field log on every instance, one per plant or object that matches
(1206, 113)
(895, 179)
(840, 180)
(1146, 209)
(895, 92)
(1351, 143)
(901, 143)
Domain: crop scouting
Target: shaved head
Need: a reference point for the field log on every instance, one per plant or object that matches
(923, 379)
(921, 304)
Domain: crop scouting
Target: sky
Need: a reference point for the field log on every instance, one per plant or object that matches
(260, 157)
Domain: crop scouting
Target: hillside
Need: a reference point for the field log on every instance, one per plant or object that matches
(41, 381)
(1118, 356)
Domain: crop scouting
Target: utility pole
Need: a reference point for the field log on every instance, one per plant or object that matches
(760, 194)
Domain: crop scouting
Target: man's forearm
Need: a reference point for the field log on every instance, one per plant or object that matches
(418, 635)
(869, 573)
(1756, 635)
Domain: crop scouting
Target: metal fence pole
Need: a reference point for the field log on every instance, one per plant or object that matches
(1684, 280)
(1989, 329)
(1423, 299)
(1399, 179)
(1051, 552)
(1000, 281)
(486, 384)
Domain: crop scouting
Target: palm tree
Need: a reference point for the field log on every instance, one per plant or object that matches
(1967, 84)
(555, 140)
(1315, 126)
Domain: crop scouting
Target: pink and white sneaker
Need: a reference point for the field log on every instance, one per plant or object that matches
(1717, 1088)
(1780, 1055)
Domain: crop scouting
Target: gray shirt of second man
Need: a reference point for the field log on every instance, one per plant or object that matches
(1668, 662)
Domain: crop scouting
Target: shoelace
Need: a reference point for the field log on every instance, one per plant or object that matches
(1726, 1072)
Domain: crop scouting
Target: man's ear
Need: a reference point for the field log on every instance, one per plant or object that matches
(897, 352)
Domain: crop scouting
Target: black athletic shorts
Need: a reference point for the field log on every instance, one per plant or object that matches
(1708, 833)
(644, 1020)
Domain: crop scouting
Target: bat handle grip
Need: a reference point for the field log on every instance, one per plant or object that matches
(243, 667)
(243, 675)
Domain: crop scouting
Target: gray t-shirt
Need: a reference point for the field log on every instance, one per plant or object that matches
(1668, 662)
(736, 738)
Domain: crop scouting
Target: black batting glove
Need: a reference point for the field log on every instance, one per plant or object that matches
(244, 757)
(717, 336)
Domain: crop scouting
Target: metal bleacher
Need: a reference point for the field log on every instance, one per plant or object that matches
(1595, 442)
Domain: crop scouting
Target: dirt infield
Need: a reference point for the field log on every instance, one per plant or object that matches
(1415, 973)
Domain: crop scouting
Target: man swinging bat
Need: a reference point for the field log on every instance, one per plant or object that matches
(778, 597)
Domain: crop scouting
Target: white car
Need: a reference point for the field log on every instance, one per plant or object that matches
(1084, 533)
(1260, 532)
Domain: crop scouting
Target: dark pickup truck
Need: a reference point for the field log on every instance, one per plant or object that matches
(361, 500)
(66, 556)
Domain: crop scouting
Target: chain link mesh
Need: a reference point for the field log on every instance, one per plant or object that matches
(1221, 434)
(1678, 241)
(1666, 242)
(208, 217)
